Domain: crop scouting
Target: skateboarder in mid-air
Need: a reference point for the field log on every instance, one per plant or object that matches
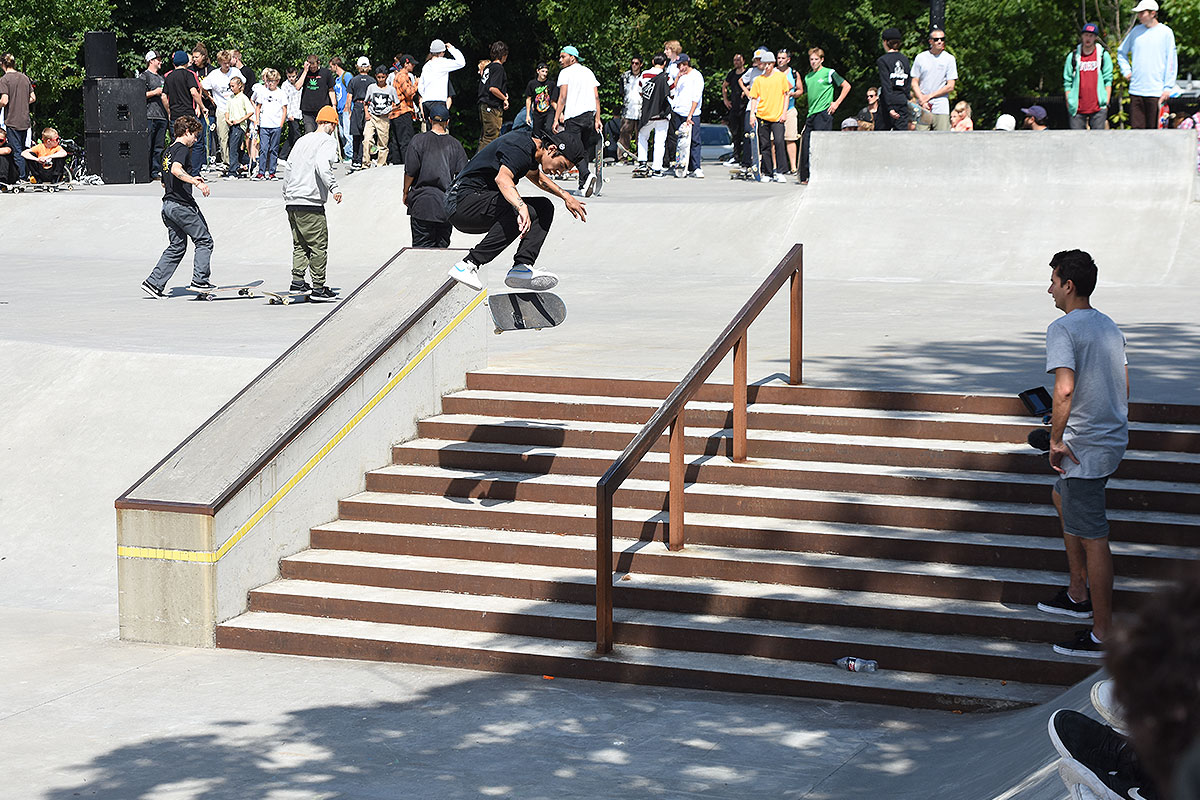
(483, 198)
(182, 216)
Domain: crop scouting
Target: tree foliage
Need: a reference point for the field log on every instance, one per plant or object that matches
(1005, 48)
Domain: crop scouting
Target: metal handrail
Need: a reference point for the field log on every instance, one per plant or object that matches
(671, 413)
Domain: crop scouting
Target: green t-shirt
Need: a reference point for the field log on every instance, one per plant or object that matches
(819, 86)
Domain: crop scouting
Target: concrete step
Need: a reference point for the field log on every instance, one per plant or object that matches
(824, 419)
(791, 474)
(824, 570)
(906, 510)
(968, 656)
(778, 392)
(828, 447)
(315, 636)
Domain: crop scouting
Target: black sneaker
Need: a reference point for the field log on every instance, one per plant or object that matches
(323, 293)
(1063, 604)
(203, 285)
(1082, 645)
(1100, 755)
(299, 286)
(153, 290)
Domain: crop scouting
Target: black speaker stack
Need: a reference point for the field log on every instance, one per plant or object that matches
(116, 144)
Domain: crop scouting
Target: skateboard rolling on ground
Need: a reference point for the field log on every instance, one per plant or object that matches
(287, 298)
(524, 311)
(240, 290)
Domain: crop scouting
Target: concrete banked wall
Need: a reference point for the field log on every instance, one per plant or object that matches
(212, 520)
(991, 206)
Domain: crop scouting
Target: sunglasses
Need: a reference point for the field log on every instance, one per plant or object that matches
(937, 38)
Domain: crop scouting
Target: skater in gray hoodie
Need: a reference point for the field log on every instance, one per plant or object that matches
(307, 183)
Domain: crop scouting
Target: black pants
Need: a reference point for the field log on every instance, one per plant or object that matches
(1144, 111)
(541, 123)
(356, 149)
(821, 121)
(584, 126)
(768, 132)
(736, 122)
(43, 174)
(488, 212)
(157, 131)
(290, 134)
(430, 234)
(399, 135)
(885, 122)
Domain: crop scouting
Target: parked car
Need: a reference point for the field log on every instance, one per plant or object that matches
(715, 142)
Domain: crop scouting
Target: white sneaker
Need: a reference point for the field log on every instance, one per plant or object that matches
(779, 178)
(467, 274)
(588, 186)
(1107, 706)
(532, 278)
(696, 173)
(764, 179)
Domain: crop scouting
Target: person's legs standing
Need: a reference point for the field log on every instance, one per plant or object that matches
(223, 139)
(1077, 122)
(268, 150)
(941, 122)
(584, 126)
(764, 149)
(625, 140)
(168, 262)
(805, 144)
(310, 121)
(157, 131)
(659, 127)
(234, 150)
(736, 126)
(369, 141)
(310, 245)
(791, 136)
(643, 142)
(426, 233)
(779, 133)
(1081, 512)
(194, 224)
(673, 138)
(382, 132)
(16, 140)
(694, 150)
(344, 131)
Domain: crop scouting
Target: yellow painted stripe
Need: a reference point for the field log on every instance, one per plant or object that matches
(211, 557)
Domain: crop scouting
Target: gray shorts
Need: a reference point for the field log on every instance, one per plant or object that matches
(1083, 506)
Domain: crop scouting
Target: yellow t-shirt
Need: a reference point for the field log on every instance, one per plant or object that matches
(771, 92)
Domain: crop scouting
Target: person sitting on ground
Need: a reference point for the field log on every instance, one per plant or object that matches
(483, 198)
(45, 162)
(1035, 118)
(8, 171)
(960, 117)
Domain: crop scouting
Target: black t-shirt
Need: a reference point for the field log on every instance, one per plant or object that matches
(493, 77)
(894, 79)
(178, 85)
(513, 150)
(201, 73)
(314, 91)
(734, 81)
(544, 93)
(432, 160)
(173, 188)
(356, 88)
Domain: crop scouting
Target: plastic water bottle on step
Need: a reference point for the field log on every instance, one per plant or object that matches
(857, 664)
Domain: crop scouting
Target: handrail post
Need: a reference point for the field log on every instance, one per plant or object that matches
(675, 496)
(797, 323)
(739, 398)
(604, 571)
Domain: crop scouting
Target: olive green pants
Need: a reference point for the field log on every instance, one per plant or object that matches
(310, 244)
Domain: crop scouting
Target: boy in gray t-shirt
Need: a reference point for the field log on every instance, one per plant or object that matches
(1085, 351)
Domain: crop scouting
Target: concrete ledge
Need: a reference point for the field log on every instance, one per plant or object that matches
(211, 521)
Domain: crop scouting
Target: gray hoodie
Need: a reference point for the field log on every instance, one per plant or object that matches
(308, 178)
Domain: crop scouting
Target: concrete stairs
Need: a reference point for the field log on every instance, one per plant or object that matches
(912, 529)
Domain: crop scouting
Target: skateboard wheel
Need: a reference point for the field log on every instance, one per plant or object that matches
(209, 297)
(499, 331)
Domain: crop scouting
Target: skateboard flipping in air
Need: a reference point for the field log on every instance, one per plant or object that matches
(526, 311)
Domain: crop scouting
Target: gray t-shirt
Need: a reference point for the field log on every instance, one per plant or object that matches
(1097, 432)
(932, 73)
(154, 106)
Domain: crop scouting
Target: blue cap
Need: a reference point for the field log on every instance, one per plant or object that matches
(1091, 27)
(180, 58)
(570, 50)
(1037, 112)
(437, 110)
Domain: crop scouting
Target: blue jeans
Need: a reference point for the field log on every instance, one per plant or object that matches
(236, 137)
(16, 140)
(344, 127)
(182, 222)
(157, 131)
(268, 149)
(693, 146)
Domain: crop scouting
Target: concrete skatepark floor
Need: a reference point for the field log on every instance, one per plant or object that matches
(102, 381)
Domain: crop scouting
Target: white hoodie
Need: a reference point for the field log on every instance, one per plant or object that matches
(434, 83)
(308, 178)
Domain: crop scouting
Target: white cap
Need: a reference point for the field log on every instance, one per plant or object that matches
(1006, 122)
(764, 55)
(151, 56)
(1146, 5)
(849, 122)
(437, 46)
(363, 61)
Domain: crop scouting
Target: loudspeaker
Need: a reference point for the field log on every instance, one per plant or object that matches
(118, 157)
(100, 54)
(114, 105)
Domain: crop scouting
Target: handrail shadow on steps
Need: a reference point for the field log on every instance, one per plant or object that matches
(671, 413)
